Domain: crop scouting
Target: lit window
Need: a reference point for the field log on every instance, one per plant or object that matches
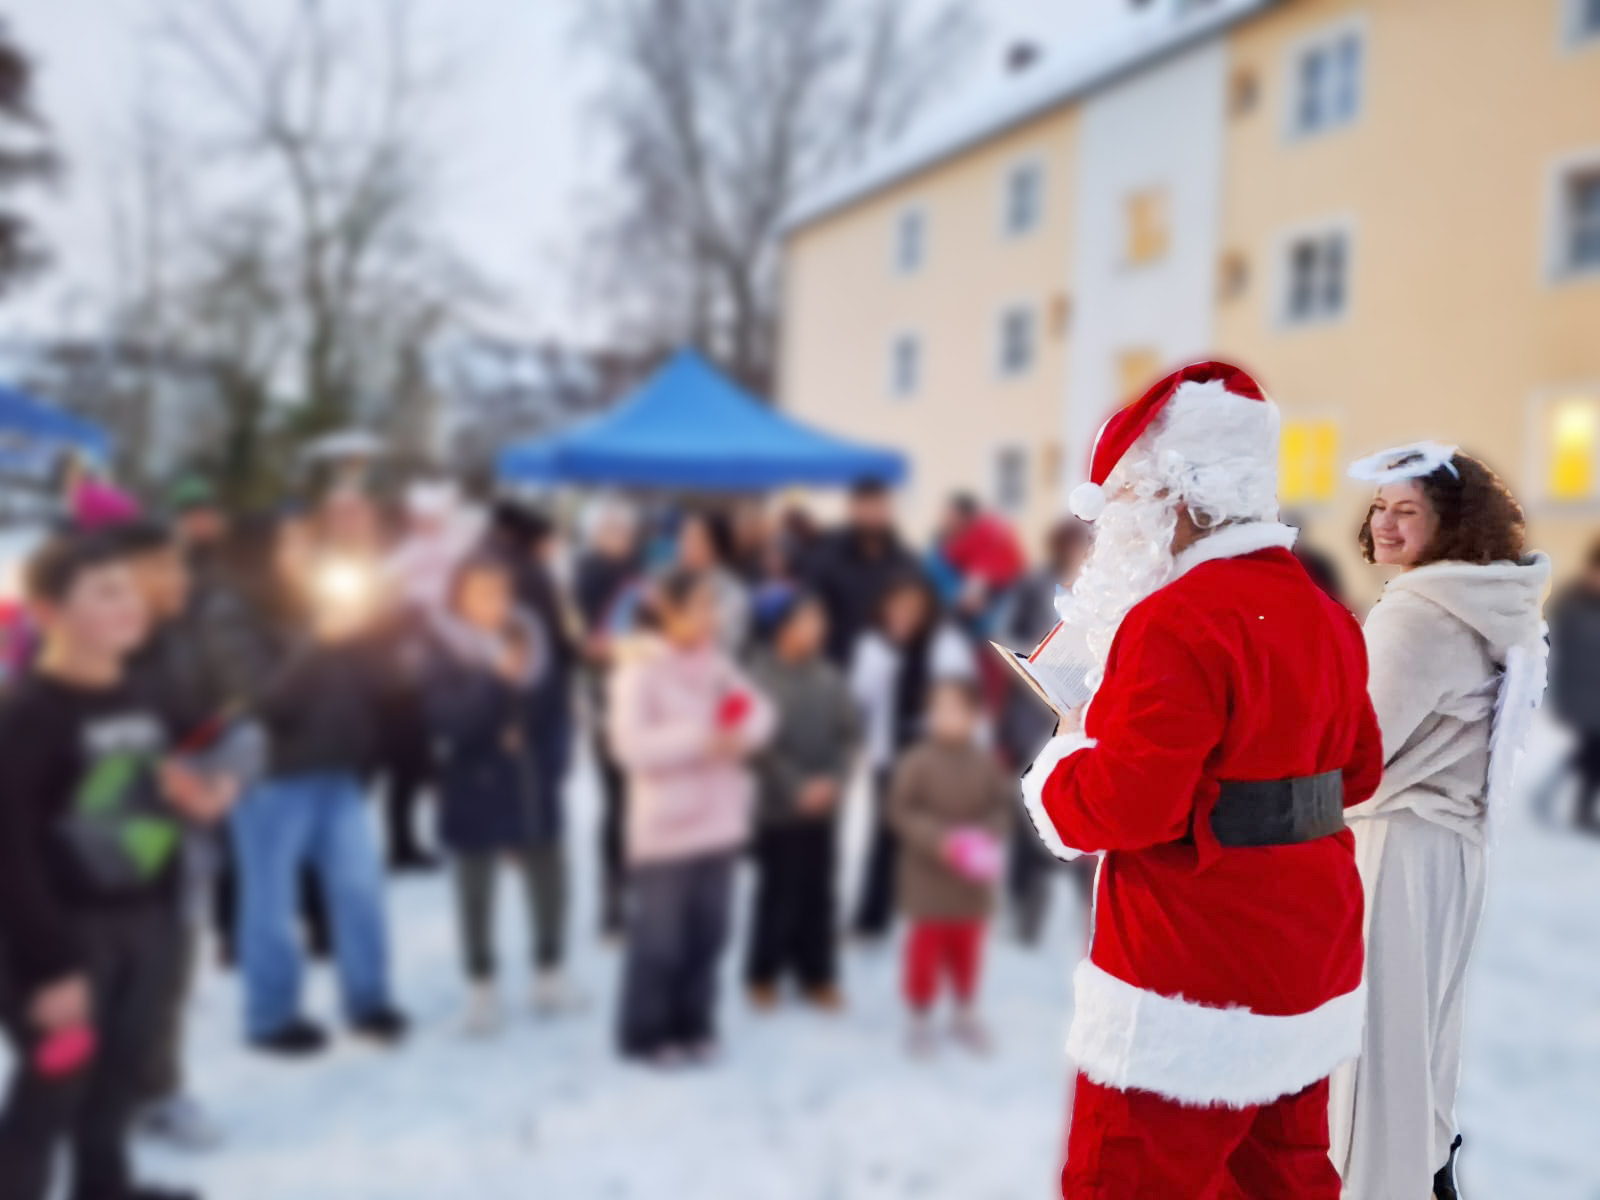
(1308, 462)
(1579, 217)
(1024, 199)
(905, 365)
(1147, 226)
(1137, 371)
(1327, 83)
(1011, 479)
(910, 241)
(1016, 340)
(1572, 440)
(1316, 274)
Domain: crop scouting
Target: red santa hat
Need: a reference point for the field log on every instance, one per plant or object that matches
(1215, 386)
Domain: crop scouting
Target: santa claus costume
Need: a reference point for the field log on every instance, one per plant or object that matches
(1457, 670)
(1229, 729)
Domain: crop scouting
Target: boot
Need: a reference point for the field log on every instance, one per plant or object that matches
(1444, 1183)
(827, 998)
(763, 997)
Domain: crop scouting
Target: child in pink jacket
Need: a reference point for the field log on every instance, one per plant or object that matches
(683, 723)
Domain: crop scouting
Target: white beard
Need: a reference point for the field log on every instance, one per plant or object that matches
(1131, 558)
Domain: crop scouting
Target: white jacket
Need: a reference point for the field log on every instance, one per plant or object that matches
(1437, 645)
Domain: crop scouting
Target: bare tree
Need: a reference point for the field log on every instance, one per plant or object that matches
(26, 157)
(722, 113)
(317, 209)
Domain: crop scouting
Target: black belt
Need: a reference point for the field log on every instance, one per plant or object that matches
(1278, 812)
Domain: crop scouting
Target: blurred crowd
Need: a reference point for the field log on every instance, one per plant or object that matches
(203, 707)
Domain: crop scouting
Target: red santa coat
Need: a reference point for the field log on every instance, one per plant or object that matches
(1216, 975)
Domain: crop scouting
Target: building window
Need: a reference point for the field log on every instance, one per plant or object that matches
(1570, 440)
(1011, 480)
(1147, 227)
(910, 241)
(905, 365)
(1583, 21)
(1023, 201)
(1137, 371)
(1326, 91)
(1578, 221)
(1316, 273)
(1308, 462)
(1233, 276)
(1244, 90)
(1016, 335)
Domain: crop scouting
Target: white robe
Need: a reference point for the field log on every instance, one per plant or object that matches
(1436, 644)
(1392, 1112)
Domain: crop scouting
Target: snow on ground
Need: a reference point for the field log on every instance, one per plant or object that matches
(804, 1107)
(801, 1106)
(1529, 1106)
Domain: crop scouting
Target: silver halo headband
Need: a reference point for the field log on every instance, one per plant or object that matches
(1405, 462)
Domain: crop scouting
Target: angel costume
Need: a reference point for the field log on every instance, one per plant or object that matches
(1456, 670)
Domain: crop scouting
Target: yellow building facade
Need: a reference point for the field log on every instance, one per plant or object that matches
(932, 317)
(1388, 209)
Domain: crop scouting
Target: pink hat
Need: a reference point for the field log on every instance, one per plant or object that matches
(96, 505)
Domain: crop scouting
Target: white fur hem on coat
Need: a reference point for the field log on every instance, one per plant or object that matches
(1125, 1037)
(1057, 750)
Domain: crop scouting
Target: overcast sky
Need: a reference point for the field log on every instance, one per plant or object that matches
(522, 156)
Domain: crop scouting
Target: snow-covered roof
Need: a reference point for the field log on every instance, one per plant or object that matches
(1017, 98)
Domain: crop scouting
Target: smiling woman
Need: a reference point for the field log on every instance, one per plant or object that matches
(1459, 511)
(1456, 668)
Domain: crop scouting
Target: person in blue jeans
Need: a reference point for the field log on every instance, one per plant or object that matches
(281, 825)
(305, 667)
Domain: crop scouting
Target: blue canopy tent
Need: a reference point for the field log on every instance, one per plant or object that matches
(690, 427)
(32, 431)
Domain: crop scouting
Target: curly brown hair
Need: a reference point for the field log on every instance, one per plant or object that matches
(1480, 520)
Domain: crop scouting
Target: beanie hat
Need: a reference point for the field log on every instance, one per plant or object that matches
(773, 605)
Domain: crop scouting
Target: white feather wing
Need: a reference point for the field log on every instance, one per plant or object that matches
(1521, 691)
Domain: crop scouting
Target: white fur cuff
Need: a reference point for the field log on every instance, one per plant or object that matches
(1056, 751)
(1125, 1037)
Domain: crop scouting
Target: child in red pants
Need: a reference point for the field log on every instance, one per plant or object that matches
(951, 806)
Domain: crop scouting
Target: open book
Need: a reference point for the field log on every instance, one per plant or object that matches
(1057, 670)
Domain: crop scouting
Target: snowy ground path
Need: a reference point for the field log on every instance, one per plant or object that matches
(801, 1107)
(808, 1108)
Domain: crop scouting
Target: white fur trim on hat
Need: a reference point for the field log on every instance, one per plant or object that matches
(1056, 751)
(1125, 1037)
(1087, 501)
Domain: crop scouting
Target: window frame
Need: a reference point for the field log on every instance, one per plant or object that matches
(1321, 39)
(1321, 416)
(1020, 453)
(1033, 165)
(1559, 270)
(1283, 318)
(1159, 195)
(898, 342)
(907, 213)
(1538, 459)
(1028, 311)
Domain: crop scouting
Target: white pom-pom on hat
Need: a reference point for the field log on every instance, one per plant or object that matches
(1087, 501)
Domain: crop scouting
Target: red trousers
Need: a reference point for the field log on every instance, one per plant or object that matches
(1140, 1146)
(952, 949)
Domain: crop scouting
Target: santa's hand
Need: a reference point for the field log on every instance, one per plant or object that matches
(1071, 720)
